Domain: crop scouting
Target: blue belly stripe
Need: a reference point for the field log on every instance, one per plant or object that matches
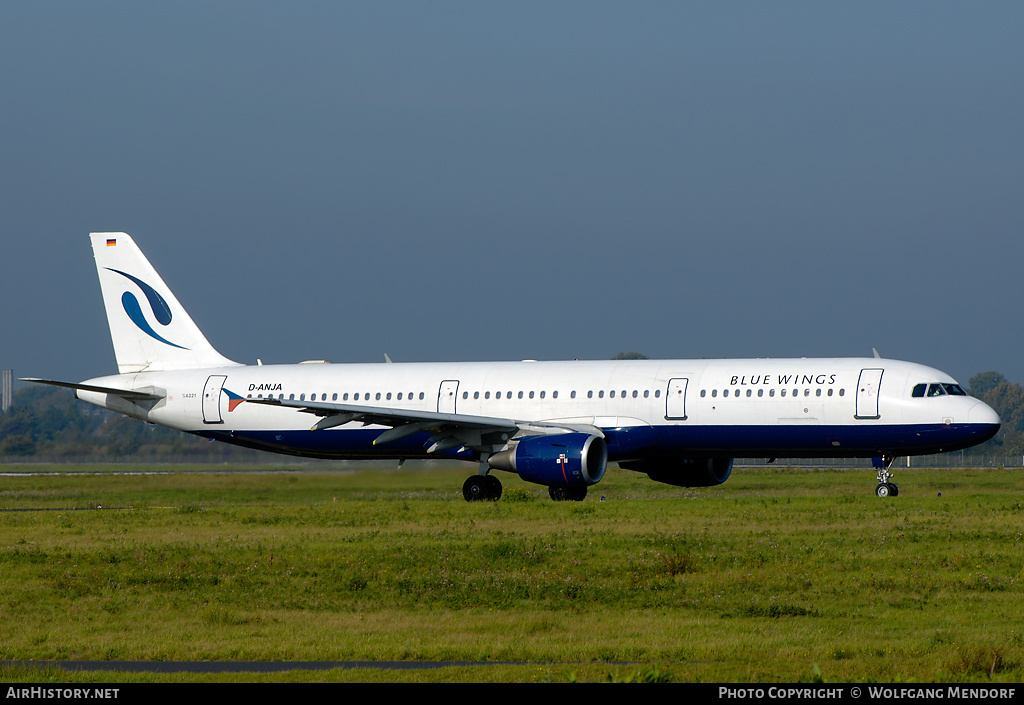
(786, 441)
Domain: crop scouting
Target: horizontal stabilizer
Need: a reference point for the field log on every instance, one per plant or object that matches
(123, 393)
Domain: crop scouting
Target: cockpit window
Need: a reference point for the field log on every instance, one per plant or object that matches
(938, 390)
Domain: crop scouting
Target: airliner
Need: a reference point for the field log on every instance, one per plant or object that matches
(558, 424)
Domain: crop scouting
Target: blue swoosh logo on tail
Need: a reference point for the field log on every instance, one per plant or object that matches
(157, 304)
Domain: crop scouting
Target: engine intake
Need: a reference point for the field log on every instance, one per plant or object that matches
(685, 472)
(563, 460)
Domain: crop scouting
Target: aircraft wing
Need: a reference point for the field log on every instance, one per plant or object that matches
(447, 431)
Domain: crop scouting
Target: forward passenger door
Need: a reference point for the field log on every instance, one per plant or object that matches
(867, 393)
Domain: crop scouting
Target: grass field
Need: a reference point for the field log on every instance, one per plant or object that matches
(778, 575)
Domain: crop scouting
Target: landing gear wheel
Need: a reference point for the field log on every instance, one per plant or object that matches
(887, 489)
(493, 488)
(576, 494)
(570, 494)
(474, 489)
(480, 487)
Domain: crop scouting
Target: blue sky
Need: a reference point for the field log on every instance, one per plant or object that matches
(509, 180)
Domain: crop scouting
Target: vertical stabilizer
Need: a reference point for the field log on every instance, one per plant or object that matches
(149, 328)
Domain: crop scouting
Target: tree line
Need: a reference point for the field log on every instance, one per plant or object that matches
(1007, 398)
(48, 423)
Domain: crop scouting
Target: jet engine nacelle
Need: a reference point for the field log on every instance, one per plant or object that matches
(685, 472)
(562, 460)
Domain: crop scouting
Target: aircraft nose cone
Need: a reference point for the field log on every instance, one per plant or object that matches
(982, 413)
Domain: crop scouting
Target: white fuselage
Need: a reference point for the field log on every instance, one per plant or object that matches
(553, 423)
(832, 407)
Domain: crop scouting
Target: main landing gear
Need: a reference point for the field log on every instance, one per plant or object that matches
(479, 488)
(884, 487)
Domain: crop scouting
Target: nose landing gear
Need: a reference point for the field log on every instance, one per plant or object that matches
(884, 487)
